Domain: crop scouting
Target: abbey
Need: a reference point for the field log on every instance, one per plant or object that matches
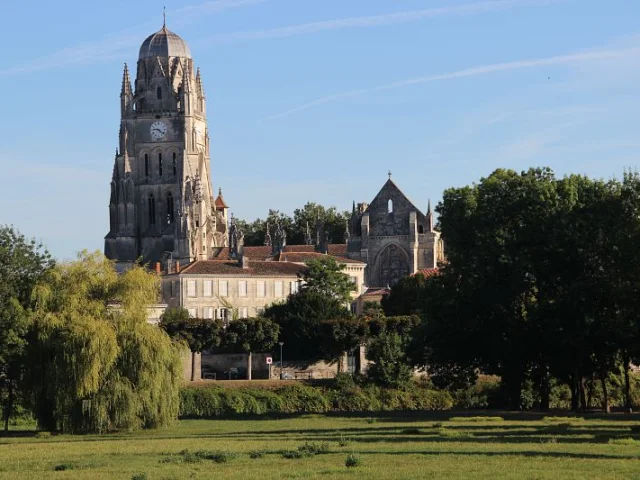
(162, 203)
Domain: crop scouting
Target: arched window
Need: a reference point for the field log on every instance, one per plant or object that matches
(170, 215)
(159, 93)
(390, 206)
(152, 210)
(160, 164)
(420, 229)
(175, 164)
(146, 165)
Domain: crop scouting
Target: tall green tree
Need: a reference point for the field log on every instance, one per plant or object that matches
(198, 333)
(23, 262)
(299, 319)
(96, 364)
(390, 366)
(249, 335)
(340, 336)
(325, 276)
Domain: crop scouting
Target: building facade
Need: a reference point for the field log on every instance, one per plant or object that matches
(393, 237)
(161, 204)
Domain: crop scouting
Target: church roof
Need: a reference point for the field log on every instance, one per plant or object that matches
(164, 43)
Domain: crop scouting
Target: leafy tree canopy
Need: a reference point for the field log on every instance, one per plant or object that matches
(324, 275)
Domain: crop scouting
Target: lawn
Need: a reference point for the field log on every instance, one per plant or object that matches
(387, 446)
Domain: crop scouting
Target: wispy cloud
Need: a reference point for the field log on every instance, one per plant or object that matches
(490, 6)
(120, 44)
(572, 58)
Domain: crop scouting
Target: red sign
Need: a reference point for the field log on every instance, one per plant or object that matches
(269, 360)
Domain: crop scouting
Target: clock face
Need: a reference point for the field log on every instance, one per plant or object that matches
(158, 130)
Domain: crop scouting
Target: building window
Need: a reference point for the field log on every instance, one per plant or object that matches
(191, 288)
(279, 291)
(243, 312)
(242, 288)
(175, 164)
(160, 164)
(159, 93)
(224, 288)
(208, 313)
(354, 280)
(193, 312)
(420, 229)
(173, 288)
(295, 287)
(390, 206)
(208, 288)
(146, 164)
(224, 316)
(152, 209)
(170, 216)
(262, 289)
(354, 308)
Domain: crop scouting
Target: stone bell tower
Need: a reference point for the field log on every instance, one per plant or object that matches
(161, 203)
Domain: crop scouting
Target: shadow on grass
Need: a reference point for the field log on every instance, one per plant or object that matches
(526, 453)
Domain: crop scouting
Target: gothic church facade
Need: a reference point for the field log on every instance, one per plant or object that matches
(393, 237)
(161, 203)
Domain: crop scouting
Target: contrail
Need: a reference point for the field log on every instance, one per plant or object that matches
(378, 20)
(121, 43)
(468, 72)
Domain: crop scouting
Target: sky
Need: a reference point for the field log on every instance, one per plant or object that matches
(316, 100)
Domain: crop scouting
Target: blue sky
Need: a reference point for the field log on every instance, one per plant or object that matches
(315, 100)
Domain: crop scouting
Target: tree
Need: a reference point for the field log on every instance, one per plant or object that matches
(325, 276)
(406, 296)
(339, 336)
(249, 335)
(198, 333)
(22, 263)
(390, 367)
(96, 364)
(299, 319)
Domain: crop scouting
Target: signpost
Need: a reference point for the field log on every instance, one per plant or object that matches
(269, 361)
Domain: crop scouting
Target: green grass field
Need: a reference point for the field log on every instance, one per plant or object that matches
(420, 446)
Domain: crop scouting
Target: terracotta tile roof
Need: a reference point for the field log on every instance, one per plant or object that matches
(338, 249)
(428, 272)
(226, 267)
(220, 203)
(375, 291)
(301, 257)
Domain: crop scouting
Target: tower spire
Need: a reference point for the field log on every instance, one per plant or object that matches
(126, 81)
(164, 18)
(429, 217)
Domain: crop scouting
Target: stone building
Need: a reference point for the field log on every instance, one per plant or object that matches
(393, 237)
(161, 203)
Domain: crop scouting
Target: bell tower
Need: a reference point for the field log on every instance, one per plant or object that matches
(161, 203)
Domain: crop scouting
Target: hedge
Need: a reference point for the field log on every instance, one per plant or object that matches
(210, 402)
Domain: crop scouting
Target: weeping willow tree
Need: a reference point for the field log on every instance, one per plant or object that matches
(96, 364)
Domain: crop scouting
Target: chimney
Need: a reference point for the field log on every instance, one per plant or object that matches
(158, 268)
(245, 262)
(177, 267)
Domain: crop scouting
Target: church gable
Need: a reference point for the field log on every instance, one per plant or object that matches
(389, 212)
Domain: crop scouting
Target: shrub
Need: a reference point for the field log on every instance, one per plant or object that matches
(63, 466)
(292, 454)
(298, 398)
(215, 456)
(311, 449)
(43, 435)
(139, 476)
(256, 454)
(352, 461)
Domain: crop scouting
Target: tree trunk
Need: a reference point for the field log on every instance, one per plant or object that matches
(583, 398)
(627, 387)
(545, 390)
(514, 391)
(8, 409)
(575, 393)
(605, 394)
(249, 366)
(193, 366)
